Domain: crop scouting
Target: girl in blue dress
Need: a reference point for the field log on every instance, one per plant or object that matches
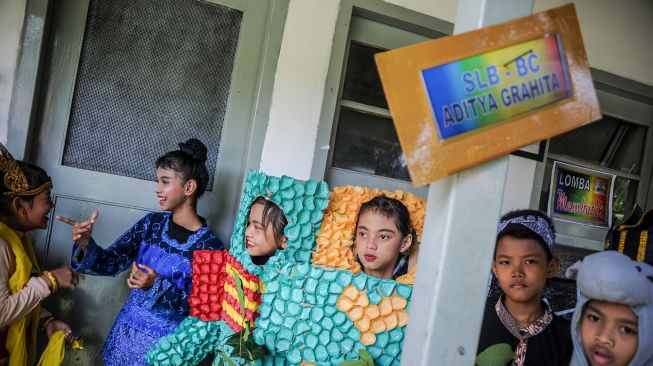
(158, 251)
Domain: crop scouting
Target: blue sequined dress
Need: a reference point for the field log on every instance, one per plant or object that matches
(152, 313)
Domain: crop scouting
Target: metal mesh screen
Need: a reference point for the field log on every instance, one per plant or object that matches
(151, 74)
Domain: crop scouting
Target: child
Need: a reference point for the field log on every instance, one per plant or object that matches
(613, 320)
(383, 237)
(158, 250)
(264, 235)
(523, 260)
(264, 230)
(24, 205)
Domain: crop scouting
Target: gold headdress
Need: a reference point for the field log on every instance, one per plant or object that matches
(14, 177)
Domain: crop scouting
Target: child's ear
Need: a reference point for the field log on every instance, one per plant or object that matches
(190, 187)
(554, 263)
(284, 242)
(405, 243)
(494, 267)
(18, 207)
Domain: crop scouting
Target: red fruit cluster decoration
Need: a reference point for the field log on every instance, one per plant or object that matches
(214, 297)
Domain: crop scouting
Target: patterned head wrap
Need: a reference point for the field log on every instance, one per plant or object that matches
(534, 223)
(14, 177)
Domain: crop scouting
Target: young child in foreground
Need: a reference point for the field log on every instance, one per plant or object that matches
(613, 320)
(383, 237)
(523, 260)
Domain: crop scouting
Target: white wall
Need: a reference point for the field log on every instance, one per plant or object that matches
(616, 35)
(299, 88)
(441, 9)
(12, 13)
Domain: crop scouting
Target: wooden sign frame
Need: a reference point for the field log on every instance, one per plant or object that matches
(428, 158)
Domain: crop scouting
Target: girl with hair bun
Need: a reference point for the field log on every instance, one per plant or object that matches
(158, 251)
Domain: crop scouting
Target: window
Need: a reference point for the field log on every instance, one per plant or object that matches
(365, 149)
(619, 144)
(148, 71)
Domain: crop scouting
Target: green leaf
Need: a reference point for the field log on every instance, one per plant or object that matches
(247, 331)
(495, 355)
(246, 349)
(233, 340)
(352, 363)
(366, 357)
(241, 293)
(226, 358)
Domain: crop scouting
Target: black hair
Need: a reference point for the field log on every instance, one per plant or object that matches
(189, 161)
(36, 177)
(518, 231)
(272, 214)
(392, 209)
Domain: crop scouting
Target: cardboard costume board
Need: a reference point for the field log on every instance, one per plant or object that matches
(462, 100)
(305, 305)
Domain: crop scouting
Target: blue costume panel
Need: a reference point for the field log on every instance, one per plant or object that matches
(152, 313)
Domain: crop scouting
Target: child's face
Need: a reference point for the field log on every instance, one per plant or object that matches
(37, 211)
(259, 240)
(609, 333)
(378, 243)
(170, 189)
(521, 267)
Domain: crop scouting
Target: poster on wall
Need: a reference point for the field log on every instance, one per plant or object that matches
(581, 195)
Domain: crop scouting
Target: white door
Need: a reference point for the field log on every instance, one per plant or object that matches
(124, 82)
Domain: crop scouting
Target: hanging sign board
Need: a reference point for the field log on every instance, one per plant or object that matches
(462, 100)
(581, 195)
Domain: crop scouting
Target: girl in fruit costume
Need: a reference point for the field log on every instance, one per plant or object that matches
(302, 312)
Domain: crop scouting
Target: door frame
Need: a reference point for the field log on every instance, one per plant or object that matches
(246, 117)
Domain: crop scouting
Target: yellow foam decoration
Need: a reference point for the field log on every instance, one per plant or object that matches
(250, 285)
(335, 239)
(233, 314)
(408, 278)
(371, 319)
(251, 305)
(368, 338)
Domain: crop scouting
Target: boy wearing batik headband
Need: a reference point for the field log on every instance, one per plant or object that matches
(523, 260)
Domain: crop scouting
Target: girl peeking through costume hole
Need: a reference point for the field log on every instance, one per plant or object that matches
(264, 230)
(383, 237)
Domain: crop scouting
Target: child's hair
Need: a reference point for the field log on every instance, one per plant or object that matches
(392, 209)
(37, 181)
(189, 161)
(528, 224)
(272, 214)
